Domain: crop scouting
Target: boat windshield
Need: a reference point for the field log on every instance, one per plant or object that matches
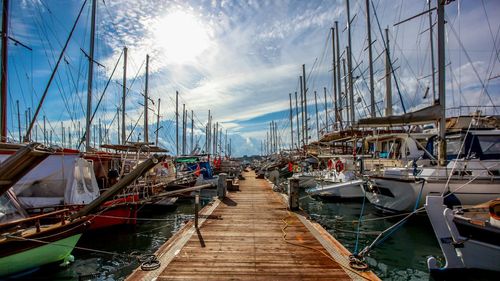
(9, 211)
(490, 145)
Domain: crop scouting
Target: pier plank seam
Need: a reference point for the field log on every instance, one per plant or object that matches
(248, 243)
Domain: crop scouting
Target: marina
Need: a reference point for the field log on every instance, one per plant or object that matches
(249, 140)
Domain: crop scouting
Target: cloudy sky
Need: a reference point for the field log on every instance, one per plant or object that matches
(239, 59)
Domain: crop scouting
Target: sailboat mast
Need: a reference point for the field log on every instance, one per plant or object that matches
(90, 77)
(441, 83)
(334, 80)
(370, 60)
(291, 121)
(349, 63)
(3, 95)
(124, 137)
(177, 122)
(297, 119)
(305, 103)
(317, 117)
(388, 83)
(146, 130)
(158, 122)
(338, 109)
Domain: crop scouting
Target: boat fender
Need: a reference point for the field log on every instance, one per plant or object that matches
(339, 166)
(358, 263)
(330, 164)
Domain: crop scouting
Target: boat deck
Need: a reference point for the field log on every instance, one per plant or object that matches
(250, 235)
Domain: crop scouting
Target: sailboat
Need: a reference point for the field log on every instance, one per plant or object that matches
(28, 242)
(467, 170)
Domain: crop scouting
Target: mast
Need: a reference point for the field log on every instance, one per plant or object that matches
(349, 63)
(317, 117)
(158, 122)
(431, 39)
(297, 119)
(192, 130)
(441, 83)
(302, 110)
(177, 122)
(291, 121)
(370, 59)
(339, 85)
(3, 95)
(305, 101)
(146, 130)
(326, 110)
(345, 92)
(91, 76)
(183, 129)
(124, 136)
(388, 84)
(334, 80)
(19, 121)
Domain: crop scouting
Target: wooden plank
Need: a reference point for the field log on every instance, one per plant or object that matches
(253, 237)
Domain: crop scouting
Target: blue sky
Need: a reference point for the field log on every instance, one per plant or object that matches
(240, 59)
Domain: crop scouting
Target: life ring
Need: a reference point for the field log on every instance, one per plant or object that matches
(330, 164)
(299, 169)
(339, 166)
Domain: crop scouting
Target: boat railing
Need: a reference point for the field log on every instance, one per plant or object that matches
(36, 220)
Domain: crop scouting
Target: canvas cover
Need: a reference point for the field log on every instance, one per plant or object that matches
(58, 180)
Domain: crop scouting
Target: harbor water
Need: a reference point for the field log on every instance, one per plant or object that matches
(400, 257)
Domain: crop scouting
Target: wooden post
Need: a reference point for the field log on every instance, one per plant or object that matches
(221, 186)
(196, 208)
(293, 194)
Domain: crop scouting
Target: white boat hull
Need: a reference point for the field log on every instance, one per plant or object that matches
(345, 190)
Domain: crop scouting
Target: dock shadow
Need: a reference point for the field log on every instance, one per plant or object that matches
(229, 202)
(200, 237)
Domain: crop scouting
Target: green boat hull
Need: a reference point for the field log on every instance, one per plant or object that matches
(49, 253)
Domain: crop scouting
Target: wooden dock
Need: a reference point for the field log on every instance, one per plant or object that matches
(250, 235)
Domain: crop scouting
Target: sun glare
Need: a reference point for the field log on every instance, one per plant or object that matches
(181, 36)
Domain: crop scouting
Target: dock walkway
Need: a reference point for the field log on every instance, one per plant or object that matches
(250, 235)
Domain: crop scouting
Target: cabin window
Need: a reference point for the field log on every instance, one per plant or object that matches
(489, 144)
(453, 146)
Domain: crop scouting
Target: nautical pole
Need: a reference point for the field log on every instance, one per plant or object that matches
(345, 92)
(192, 130)
(334, 80)
(146, 130)
(441, 83)
(302, 110)
(177, 122)
(18, 120)
(297, 120)
(305, 100)
(183, 129)
(317, 117)
(388, 84)
(339, 85)
(158, 122)
(291, 121)
(124, 133)
(326, 110)
(3, 95)
(431, 39)
(349, 63)
(118, 123)
(370, 59)
(90, 78)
